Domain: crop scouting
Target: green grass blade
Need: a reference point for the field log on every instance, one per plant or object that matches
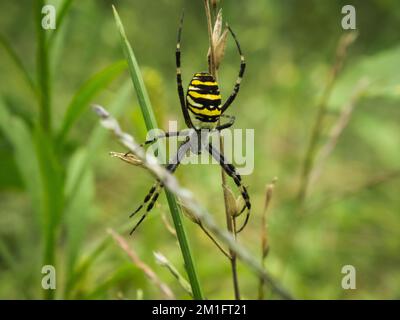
(52, 192)
(95, 140)
(83, 268)
(18, 63)
(87, 262)
(84, 95)
(62, 11)
(41, 174)
(151, 123)
(61, 14)
(137, 79)
(43, 69)
(78, 212)
(76, 177)
(19, 135)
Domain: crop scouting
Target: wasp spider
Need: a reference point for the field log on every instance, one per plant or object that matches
(202, 110)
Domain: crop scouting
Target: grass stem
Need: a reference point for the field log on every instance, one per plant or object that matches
(43, 70)
(341, 52)
(151, 123)
(229, 219)
(264, 234)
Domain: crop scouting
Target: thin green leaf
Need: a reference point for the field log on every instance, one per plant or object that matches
(18, 63)
(151, 123)
(76, 278)
(57, 42)
(164, 262)
(19, 135)
(137, 79)
(52, 193)
(95, 140)
(78, 211)
(76, 177)
(84, 95)
(81, 271)
(42, 200)
(61, 14)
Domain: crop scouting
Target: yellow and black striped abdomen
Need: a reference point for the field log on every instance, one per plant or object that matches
(203, 98)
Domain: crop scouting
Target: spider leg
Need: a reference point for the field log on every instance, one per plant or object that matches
(148, 197)
(153, 196)
(156, 189)
(231, 171)
(181, 93)
(229, 124)
(239, 79)
(164, 135)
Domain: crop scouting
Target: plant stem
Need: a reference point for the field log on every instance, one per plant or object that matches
(229, 220)
(153, 277)
(151, 123)
(184, 245)
(264, 234)
(231, 227)
(43, 72)
(211, 66)
(50, 209)
(341, 52)
(217, 244)
(336, 131)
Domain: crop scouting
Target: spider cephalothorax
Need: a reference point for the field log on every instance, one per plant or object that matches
(202, 110)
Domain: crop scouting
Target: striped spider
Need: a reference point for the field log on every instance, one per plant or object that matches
(202, 110)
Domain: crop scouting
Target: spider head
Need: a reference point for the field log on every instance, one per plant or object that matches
(203, 98)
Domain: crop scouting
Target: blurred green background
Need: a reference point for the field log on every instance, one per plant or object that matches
(60, 190)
